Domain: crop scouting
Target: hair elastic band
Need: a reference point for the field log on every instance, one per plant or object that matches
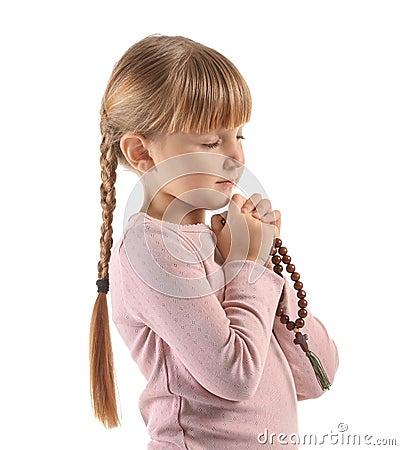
(102, 285)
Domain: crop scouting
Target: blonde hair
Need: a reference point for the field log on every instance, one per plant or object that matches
(162, 84)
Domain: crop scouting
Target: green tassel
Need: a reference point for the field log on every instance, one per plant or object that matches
(319, 370)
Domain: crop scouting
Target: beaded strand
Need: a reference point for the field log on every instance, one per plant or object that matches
(298, 285)
(297, 324)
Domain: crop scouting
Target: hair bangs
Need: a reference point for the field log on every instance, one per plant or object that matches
(209, 93)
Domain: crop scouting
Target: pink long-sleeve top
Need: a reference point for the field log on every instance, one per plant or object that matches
(221, 369)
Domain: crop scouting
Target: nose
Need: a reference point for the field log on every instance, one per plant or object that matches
(231, 163)
(235, 155)
(233, 168)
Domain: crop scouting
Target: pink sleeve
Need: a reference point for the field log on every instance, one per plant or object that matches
(221, 343)
(319, 342)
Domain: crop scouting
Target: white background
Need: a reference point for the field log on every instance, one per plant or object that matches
(323, 140)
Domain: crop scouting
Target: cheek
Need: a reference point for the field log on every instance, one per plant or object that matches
(191, 182)
(199, 191)
(201, 167)
(191, 171)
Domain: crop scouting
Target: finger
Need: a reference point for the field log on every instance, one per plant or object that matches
(223, 217)
(278, 224)
(251, 202)
(271, 216)
(235, 205)
(217, 223)
(277, 232)
(238, 199)
(278, 216)
(263, 207)
(278, 220)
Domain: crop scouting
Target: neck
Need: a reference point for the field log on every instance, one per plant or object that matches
(164, 206)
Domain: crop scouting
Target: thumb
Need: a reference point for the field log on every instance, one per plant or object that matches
(235, 205)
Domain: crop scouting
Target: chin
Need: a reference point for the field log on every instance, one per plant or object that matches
(207, 198)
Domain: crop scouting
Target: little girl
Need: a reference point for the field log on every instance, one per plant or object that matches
(195, 304)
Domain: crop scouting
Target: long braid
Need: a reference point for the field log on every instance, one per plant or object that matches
(102, 380)
(108, 163)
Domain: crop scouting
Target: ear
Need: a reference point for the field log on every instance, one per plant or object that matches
(135, 149)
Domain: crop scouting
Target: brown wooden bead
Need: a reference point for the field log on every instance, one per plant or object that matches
(301, 293)
(276, 259)
(302, 313)
(298, 285)
(295, 276)
(284, 319)
(302, 303)
(277, 250)
(290, 325)
(290, 268)
(280, 311)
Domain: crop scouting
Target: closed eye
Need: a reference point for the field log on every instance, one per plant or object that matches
(213, 145)
(217, 143)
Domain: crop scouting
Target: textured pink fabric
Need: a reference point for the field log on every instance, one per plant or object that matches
(220, 367)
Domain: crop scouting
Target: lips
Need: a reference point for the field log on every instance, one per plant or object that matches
(226, 180)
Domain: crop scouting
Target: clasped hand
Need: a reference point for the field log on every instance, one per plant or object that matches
(255, 207)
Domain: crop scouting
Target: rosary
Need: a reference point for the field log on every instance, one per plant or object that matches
(300, 338)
